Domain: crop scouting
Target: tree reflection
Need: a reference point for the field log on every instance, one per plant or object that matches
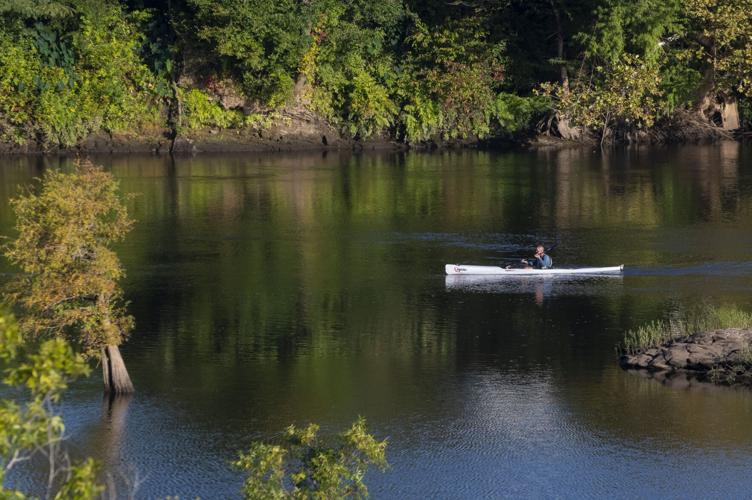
(306, 286)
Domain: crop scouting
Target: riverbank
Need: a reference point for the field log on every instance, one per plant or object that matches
(307, 133)
(288, 132)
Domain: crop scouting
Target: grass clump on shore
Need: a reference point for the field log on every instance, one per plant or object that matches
(648, 336)
(699, 319)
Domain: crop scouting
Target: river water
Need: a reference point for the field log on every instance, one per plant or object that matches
(272, 289)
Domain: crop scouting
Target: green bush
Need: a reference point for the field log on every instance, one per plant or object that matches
(421, 118)
(515, 114)
(258, 42)
(302, 466)
(19, 70)
(678, 86)
(63, 80)
(370, 109)
(350, 65)
(449, 80)
(201, 110)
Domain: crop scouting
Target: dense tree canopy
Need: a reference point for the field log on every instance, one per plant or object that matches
(413, 70)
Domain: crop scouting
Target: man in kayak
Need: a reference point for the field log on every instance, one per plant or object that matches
(540, 260)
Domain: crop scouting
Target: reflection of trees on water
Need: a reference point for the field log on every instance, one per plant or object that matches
(295, 284)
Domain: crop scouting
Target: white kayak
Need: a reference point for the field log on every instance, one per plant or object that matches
(495, 270)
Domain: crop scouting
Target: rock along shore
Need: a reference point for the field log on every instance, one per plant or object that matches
(720, 356)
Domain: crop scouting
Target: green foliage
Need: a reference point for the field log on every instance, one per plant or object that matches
(64, 80)
(678, 86)
(263, 42)
(719, 37)
(449, 81)
(350, 64)
(30, 424)
(745, 112)
(369, 107)
(517, 114)
(158, 49)
(421, 118)
(699, 319)
(68, 285)
(17, 88)
(303, 467)
(624, 94)
(637, 27)
(416, 71)
(35, 9)
(200, 110)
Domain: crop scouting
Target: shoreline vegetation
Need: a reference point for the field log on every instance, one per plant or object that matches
(708, 343)
(225, 75)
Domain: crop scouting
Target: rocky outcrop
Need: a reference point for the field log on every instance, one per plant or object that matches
(721, 356)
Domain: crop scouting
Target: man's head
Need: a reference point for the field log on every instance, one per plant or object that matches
(539, 249)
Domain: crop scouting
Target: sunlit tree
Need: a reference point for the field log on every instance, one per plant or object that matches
(68, 285)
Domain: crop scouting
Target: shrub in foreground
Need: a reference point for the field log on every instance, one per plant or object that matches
(301, 466)
(30, 424)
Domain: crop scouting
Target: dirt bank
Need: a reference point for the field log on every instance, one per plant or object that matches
(287, 132)
(303, 131)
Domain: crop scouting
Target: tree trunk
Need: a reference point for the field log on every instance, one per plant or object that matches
(114, 374)
(730, 114)
(563, 75)
(704, 95)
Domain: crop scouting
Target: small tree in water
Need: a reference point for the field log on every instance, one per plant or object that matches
(69, 281)
(302, 467)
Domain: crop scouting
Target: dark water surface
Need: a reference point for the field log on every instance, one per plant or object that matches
(273, 289)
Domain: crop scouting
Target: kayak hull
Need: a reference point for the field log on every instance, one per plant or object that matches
(459, 269)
